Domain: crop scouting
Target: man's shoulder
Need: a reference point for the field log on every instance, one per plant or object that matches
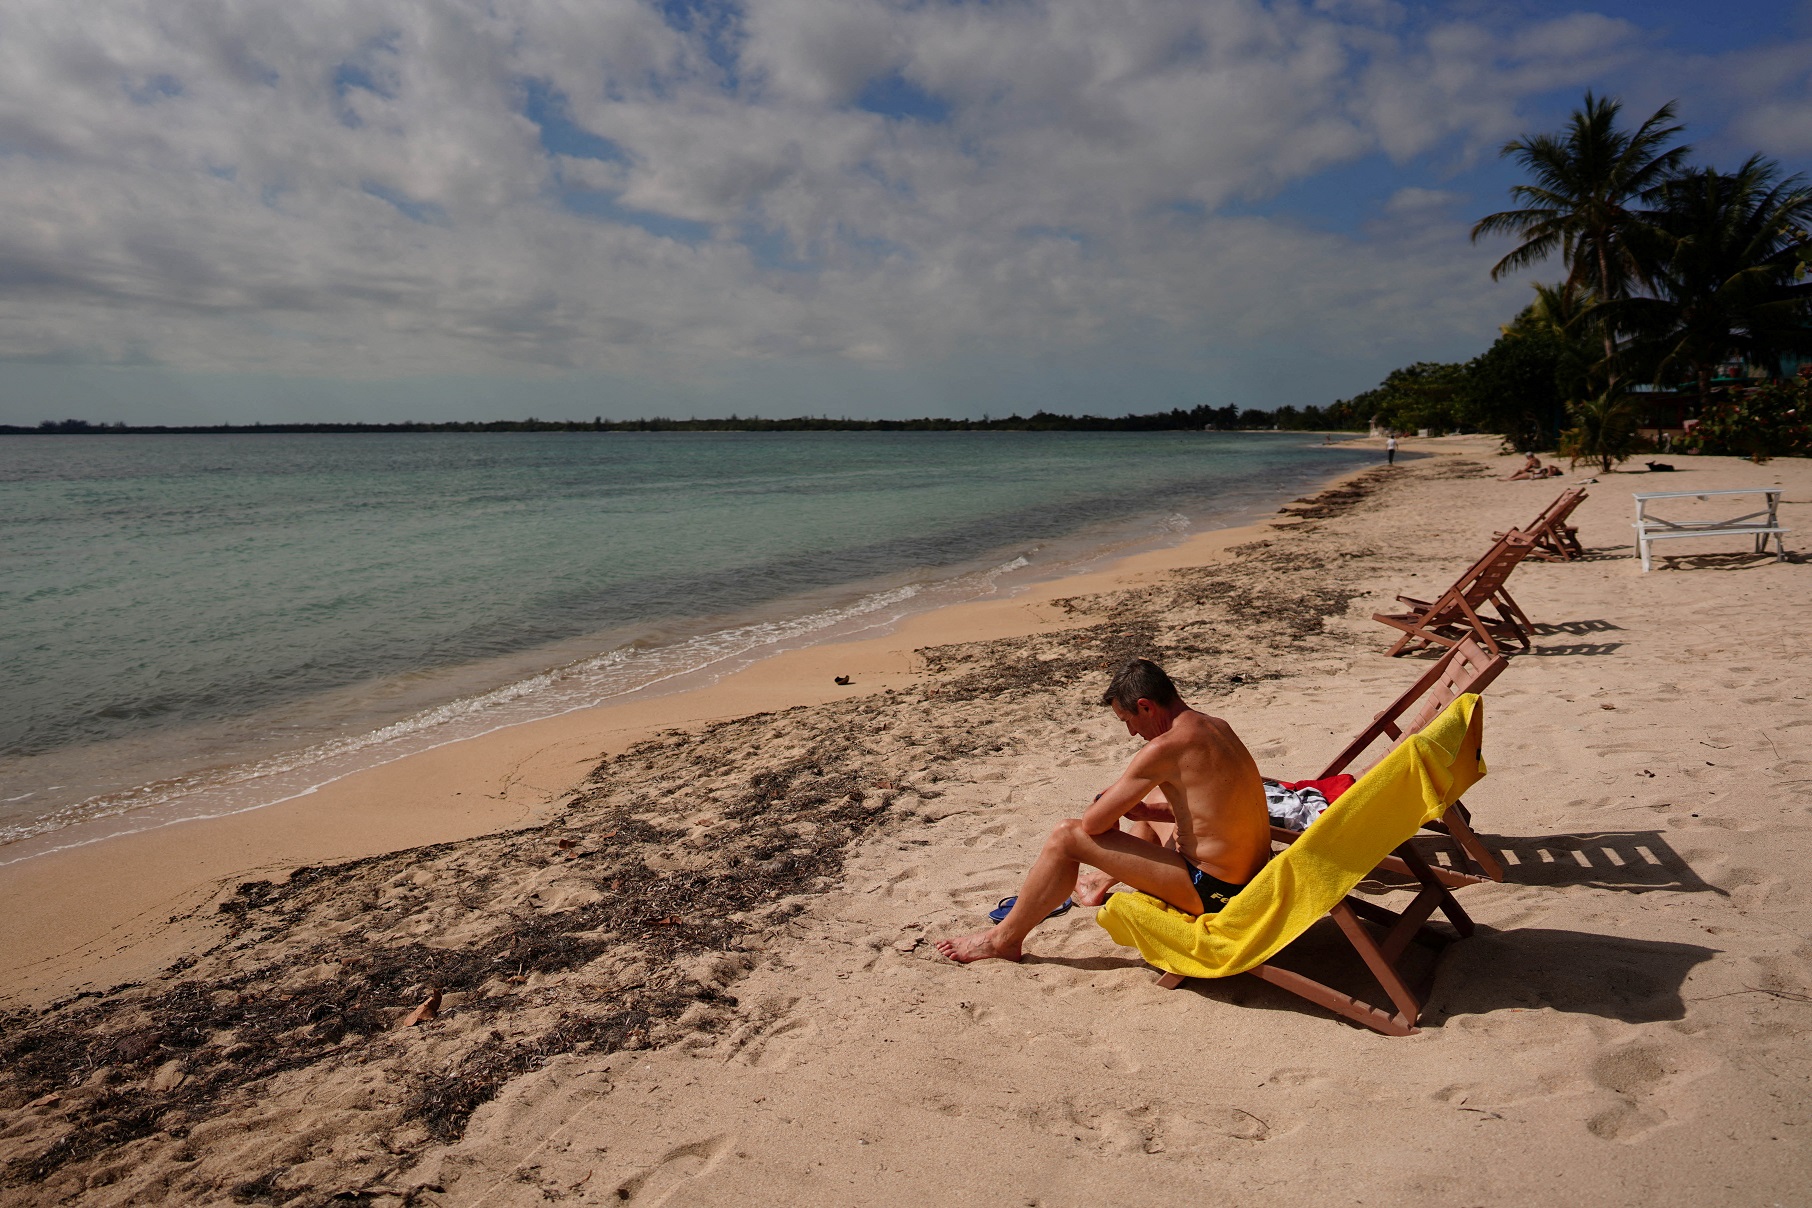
(1194, 729)
(1208, 733)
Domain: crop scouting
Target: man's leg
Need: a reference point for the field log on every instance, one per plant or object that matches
(1124, 857)
(1092, 884)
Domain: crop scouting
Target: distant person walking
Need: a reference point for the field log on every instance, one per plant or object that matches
(1390, 450)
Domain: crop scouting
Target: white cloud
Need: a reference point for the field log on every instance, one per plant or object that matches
(1416, 200)
(355, 189)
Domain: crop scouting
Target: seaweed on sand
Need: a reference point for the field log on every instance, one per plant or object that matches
(1267, 598)
(581, 934)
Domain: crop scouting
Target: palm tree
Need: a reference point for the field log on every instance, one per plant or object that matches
(1604, 430)
(1729, 250)
(1586, 197)
(1567, 312)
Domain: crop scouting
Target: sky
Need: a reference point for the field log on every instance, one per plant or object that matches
(220, 211)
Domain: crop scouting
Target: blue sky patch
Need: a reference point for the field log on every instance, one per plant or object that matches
(894, 96)
(591, 203)
(714, 24)
(348, 76)
(546, 106)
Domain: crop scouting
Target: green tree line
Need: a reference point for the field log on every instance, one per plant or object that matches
(1226, 419)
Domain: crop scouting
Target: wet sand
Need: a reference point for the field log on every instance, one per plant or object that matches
(699, 970)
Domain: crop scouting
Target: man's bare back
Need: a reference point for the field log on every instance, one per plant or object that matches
(1194, 774)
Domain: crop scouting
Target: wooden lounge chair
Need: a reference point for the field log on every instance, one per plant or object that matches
(1465, 667)
(1448, 618)
(1555, 539)
(1314, 876)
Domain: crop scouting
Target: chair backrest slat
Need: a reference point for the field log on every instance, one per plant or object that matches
(1557, 511)
(1496, 567)
(1465, 667)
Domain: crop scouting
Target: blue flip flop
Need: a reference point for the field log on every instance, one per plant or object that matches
(1006, 905)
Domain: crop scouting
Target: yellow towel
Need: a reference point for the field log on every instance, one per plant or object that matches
(1412, 785)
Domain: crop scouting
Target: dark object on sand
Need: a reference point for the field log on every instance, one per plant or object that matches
(1659, 467)
(428, 1010)
(1006, 904)
(844, 680)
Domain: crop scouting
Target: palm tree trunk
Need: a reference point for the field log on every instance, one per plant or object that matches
(1610, 339)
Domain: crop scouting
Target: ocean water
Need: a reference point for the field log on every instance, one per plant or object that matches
(195, 625)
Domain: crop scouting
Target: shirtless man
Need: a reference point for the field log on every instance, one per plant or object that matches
(1532, 468)
(1193, 773)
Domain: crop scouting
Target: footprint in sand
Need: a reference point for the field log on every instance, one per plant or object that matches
(893, 883)
(994, 831)
(1296, 1076)
(677, 1168)
(1634, 1073)
(773, 1048)
(970, 1013)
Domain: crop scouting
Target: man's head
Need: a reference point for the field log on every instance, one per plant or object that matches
(1143, 697)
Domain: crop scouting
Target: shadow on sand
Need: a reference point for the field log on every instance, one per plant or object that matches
(1522, 969)
(1636, 861)
(1577, 629)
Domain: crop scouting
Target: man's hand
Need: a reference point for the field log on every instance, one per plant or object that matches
(1150, 811)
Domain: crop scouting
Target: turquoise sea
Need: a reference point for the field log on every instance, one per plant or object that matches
(195, 625)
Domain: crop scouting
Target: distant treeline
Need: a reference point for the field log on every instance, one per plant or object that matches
(1339, 417)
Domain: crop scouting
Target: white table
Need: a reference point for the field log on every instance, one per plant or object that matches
(1762, 524)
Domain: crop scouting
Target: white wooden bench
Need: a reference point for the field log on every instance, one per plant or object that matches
(1761, 525)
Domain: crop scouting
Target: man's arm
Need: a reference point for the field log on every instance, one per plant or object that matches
(1125, 796)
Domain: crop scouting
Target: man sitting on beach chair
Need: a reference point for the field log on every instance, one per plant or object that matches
(1193, 773)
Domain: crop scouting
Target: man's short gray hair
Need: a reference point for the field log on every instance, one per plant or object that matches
(1140, 679)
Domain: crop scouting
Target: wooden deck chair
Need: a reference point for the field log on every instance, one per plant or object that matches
(1314, 877)
(1465, 667)
(1555, 539)
(1459, 609)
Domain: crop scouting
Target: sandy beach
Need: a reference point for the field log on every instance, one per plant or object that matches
(681, 947)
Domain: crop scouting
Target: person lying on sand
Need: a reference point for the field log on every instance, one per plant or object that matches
(1193, 773)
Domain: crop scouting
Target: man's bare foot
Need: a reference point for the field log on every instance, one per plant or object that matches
(1091, 888)
(978, 947)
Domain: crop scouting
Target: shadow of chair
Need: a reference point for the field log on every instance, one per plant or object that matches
(1636, 861)
(1541, 968)
(1522, 968)
(1585, 649)
(1577, 629)
(1632, 861)
(1721, 561)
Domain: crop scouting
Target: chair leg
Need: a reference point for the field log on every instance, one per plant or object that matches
(1478, 627)
(1470, 843)
(1171, 981)
(1410, 634)
(1408, 1008)
(1510, 609)
(1449, 905)
(1344, 1005)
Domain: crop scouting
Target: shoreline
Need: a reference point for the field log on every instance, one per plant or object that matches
(89, 913)
(296, 748)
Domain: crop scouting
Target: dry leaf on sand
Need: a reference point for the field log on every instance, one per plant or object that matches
(422, 1014)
